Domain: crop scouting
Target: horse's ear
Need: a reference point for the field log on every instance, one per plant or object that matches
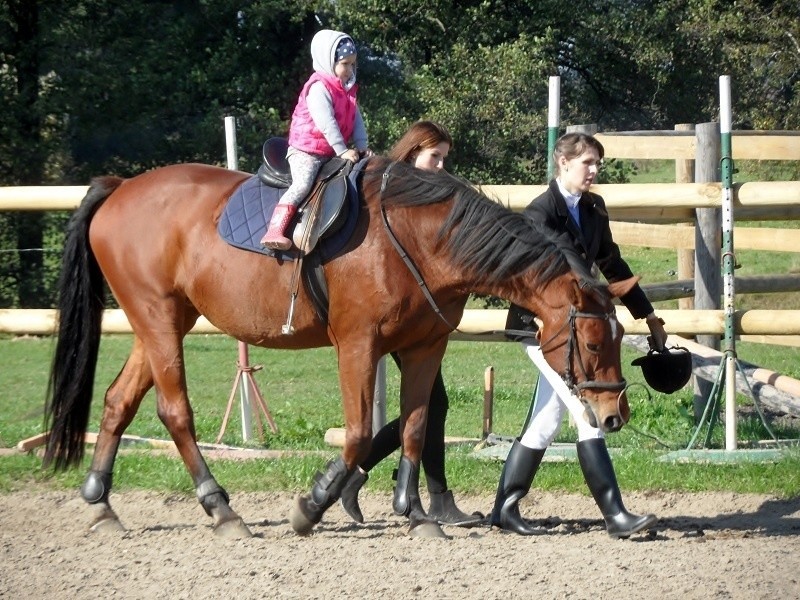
(620, 288)
(576, 294)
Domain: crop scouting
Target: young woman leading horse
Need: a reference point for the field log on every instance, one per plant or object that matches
(422, 243)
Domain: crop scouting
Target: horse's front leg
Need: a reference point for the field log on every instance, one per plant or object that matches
(418, 370)
(357, 367)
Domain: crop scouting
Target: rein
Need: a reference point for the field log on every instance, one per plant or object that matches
(404, 255)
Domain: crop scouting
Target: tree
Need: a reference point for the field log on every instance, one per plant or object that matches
(93, 87)
(103, 86)
(150, 82)
(24, 152)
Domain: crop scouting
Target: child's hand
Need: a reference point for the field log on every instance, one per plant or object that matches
(368, 153)
(351, 155)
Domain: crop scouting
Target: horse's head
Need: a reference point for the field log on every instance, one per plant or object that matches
(581, 339)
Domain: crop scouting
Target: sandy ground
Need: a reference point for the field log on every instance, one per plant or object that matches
(710, 545)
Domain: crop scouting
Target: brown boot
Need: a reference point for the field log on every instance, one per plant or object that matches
(275, 238)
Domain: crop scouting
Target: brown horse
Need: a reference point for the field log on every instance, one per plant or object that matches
(153, 239)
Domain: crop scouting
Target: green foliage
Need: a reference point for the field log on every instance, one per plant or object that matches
(163, 75)
(96, 87)
(496, 142)
(617, 171)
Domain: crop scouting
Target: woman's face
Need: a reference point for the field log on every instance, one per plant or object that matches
(578, 174)
(432, 159)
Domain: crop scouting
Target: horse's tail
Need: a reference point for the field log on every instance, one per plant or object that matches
(80, 306)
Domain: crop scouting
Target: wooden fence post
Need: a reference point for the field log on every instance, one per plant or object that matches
(708, 240)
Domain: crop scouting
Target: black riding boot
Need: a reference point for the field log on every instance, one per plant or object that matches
(444, 511)
(349, 495)
(515, 482)
(599, 473)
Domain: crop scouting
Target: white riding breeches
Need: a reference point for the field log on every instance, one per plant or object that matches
(550, 396)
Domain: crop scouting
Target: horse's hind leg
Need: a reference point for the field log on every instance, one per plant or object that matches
(165, 352)
(122, 401)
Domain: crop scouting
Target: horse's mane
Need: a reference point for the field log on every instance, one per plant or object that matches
(480, 233)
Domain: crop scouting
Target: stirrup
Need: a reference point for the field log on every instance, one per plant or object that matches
(287, 328)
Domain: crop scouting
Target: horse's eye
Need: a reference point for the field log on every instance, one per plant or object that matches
(594, 348)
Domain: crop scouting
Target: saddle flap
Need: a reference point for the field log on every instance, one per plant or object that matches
(274, 154)
(320, 214)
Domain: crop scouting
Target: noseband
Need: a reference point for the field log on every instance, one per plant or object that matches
(573, 349)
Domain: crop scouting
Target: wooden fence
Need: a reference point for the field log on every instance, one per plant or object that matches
(656, 215)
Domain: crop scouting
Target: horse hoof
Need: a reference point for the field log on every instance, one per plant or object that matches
(301, 524)
(110, 525)
(235, 529)
(426, 529)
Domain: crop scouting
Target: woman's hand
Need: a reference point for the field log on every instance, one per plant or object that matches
(658, 335)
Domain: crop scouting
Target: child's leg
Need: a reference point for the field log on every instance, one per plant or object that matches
(304, 169)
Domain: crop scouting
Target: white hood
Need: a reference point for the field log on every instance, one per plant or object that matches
(323, 52)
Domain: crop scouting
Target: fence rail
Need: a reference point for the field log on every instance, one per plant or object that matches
(636, 201)
(639, 213)
(476, 324)
(682, 144)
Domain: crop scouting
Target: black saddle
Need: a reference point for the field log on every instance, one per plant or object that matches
(274, 170)
(324, 210)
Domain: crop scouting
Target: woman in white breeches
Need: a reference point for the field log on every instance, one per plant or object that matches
(550, 397)
(571, 210)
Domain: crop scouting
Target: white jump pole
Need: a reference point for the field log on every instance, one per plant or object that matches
(728, 260)
(244, 359)
(553, 122)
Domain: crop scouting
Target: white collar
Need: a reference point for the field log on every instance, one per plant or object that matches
(572, 199)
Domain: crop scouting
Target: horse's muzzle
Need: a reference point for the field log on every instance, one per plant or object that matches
(609, 424)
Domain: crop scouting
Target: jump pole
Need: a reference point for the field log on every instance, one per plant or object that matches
(248, 389)
(728, 260)
(553, 122)
(729, 363)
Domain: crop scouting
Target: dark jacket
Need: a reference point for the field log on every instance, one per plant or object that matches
(592, 240)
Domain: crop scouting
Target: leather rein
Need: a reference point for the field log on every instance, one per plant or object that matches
(573, 347)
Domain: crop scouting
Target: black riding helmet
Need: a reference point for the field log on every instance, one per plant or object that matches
(666, 371)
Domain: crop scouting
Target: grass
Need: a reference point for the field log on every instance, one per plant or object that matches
(663, 170)
(305, 407)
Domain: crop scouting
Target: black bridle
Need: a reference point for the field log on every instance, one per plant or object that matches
(573, 349)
